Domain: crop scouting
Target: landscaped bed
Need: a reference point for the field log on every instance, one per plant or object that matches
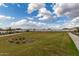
(38, 43)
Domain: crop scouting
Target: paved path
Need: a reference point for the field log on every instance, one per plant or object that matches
(9, 34)
(75, 38)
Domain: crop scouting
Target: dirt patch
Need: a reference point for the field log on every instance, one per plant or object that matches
(21, 40)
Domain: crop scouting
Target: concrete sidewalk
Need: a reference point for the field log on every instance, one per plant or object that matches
(75, 38)
(9, 34)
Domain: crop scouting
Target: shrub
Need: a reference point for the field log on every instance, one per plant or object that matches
(17, 42)
(24, 42)
(23, 38)
(11, 41)
(16, 39)
(20, 39)
(27, 30)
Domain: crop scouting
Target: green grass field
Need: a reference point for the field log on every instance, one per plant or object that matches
(40, 44)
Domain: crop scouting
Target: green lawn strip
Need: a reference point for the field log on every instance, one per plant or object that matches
(45, 43)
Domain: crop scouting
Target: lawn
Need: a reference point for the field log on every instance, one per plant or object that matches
(39, 44)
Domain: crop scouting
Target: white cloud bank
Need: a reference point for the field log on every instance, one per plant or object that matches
(3, 17)
(34, 6)
(2, 4)
(43, 13)
(68, 9)
(24, 23)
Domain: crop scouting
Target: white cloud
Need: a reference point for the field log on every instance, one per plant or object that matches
(3, 17)
(0, 24)
(30, 18)
(54, 26)
(44, 14)
(74, 22)
(58, 9)
(34, 6)
(2, 4)
(71, 10)
(24, 23)
(18, 5)
(19, 23)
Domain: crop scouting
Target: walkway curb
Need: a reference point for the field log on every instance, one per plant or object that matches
(75, 38)
(9, 34)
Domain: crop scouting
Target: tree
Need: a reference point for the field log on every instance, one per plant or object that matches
(9, 30)
(27, 30)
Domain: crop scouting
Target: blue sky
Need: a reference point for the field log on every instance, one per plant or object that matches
(30, 15)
